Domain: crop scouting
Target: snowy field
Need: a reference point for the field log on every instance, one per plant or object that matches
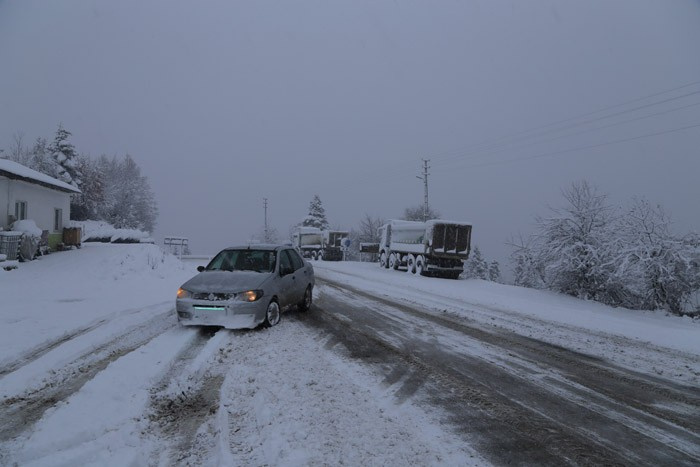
(96, 371)
(651, 342)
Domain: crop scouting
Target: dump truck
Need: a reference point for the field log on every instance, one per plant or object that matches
(332, 245)
(314, 243)
(434, 248)
(308, 241)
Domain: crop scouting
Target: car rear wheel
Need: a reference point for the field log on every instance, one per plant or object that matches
(305, 303)
(272, 315)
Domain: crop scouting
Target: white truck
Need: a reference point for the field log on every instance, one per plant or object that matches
(433, 248)
(314, 243)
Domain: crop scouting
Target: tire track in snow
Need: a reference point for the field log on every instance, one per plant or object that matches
(537, 423)
(188, 398)
(44, 348)
(590, 372)
(19, 413)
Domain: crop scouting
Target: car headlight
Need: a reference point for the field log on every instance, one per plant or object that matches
(182, 293)
(249, 295)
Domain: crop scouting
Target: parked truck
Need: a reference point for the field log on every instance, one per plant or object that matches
(314, 243)
(433, 248)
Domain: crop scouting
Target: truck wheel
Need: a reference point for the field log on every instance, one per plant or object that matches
(393, 262)
(319, 256)
(420, 261)
(382, 260)
(411, 264)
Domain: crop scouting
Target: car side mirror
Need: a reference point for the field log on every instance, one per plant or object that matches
(200, 268)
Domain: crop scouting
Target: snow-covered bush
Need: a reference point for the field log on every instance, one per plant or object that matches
(100, 231)
(31, 237)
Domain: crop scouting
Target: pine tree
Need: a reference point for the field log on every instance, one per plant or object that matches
(476, 267)
(64, 154)
(494, 271)
(317, 215)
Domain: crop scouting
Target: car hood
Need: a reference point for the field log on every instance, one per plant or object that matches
(225, 281)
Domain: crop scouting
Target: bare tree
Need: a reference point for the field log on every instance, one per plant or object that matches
(18, 152)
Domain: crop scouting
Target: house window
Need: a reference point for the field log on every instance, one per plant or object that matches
(57, 219)
(20, 210)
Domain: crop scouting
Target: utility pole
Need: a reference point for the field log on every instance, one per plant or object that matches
(424, 177)
(267, 237)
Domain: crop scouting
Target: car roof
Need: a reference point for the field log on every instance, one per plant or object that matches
(258, 246)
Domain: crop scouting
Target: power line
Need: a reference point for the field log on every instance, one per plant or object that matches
(567, 127)
(589, 130)
(582, 148)
(576, 117)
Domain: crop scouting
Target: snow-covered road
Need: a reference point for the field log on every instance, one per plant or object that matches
(386, 369)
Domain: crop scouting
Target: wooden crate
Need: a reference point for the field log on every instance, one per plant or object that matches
(71, 236)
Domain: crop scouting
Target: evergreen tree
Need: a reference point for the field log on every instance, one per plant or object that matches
(476, 267)
(317, 215)
(494, 271)
(66, 158)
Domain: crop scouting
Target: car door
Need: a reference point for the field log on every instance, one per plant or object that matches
(287, 281)
(300, 275)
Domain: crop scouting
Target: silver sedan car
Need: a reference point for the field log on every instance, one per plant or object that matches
(243, 287)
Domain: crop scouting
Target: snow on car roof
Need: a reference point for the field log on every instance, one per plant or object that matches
(14, 170)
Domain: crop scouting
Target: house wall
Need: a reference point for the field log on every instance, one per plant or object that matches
(41, 202)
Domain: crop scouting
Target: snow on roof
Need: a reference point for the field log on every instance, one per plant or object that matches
(443, 221)
(14, 170)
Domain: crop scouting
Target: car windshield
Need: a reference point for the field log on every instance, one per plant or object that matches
(244, 260)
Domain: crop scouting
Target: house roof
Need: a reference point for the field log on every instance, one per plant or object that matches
(15, 171)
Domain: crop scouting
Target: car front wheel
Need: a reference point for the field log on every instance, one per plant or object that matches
(305, 303)
(272, 315)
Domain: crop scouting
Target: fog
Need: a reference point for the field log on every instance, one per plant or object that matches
(223, 103)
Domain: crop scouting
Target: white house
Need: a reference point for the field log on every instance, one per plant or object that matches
(28, 194)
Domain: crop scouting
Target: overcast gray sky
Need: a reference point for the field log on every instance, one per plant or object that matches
(223, 103)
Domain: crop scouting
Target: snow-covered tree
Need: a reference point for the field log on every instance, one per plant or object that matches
(41, 159)
(415, 213)
(87, 204)
(64, 154)
(476, 266)
(494, 274)
(129, 200)
(527, 271)
(317, 214)
(658, 269)
(572, 245)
